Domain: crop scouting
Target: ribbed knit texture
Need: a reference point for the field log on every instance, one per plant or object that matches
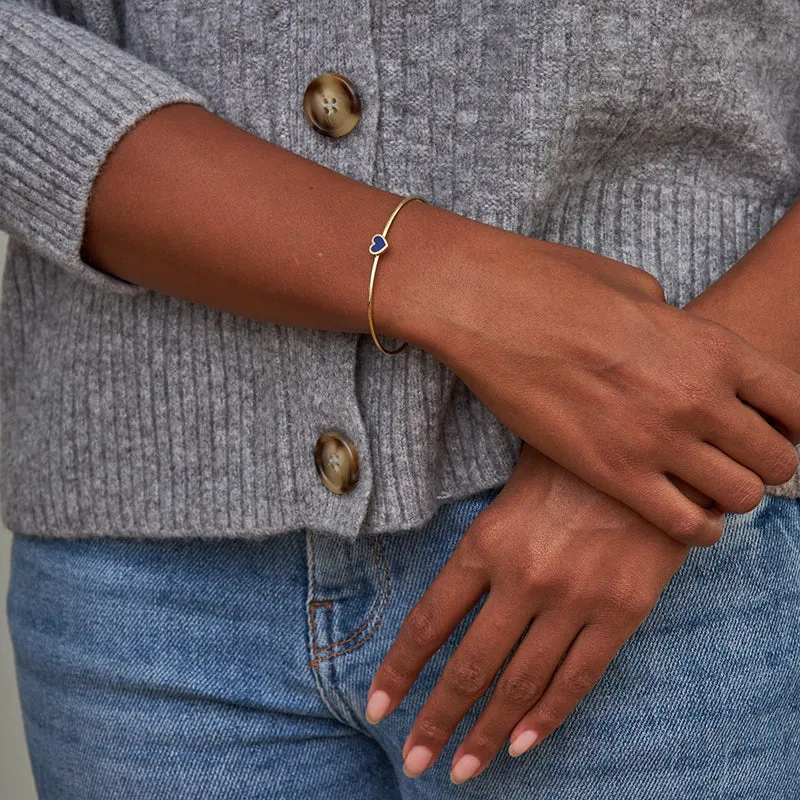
(665, 137)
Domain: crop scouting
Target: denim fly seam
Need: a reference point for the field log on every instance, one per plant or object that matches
(324, 645)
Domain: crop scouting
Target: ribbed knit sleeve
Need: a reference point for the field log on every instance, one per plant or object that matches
(67, 96)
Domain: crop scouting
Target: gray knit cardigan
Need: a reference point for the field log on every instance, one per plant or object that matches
(665, 135)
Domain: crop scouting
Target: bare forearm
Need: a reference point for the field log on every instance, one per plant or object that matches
(193, 206)
(759, 297)
(549, 337)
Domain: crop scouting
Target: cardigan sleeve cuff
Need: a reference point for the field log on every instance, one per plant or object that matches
(67, 96)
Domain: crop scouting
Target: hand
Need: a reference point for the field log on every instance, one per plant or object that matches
(759, 296)
(618, 387)
(583, 569)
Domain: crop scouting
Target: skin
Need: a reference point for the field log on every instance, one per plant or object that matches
(549, 365)
(193, 206)
(581, 568)
(585, 573)
(548, 336)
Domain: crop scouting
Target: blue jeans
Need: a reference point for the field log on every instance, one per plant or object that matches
(230, 669)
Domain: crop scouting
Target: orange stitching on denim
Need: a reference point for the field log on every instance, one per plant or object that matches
(372, 611)
(378, 622)
(316, 661)
(312, 607)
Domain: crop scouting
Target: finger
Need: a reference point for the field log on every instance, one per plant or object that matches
(466, 677)
(583, 666)
(656, 498)
(448, 599)
(733, 487)
(773, 389)
(752, 441)
(522, 683)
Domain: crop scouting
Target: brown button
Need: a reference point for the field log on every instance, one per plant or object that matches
(331, 104)
(337, 462)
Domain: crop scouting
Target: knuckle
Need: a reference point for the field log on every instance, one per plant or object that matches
(784, 466)
(632, 616)
(746, 494)
(628, 602)
(432, 729)
(487, 529)
(519, 689)
(753, 373)
(692, 527)
(393, 677)
(578, 680)
(632, 613)
(421, 628)
(465, 679)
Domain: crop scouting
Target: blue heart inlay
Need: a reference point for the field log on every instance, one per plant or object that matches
(379, 244)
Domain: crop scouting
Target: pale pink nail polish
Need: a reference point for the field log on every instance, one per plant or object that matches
(417, 760)
(521, 743)
(464, 769)
(377, 706)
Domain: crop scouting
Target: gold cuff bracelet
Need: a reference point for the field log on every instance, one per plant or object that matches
(378, 246)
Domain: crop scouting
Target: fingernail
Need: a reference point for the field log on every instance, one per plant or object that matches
(417, 760)
(377, 706)
(522, 743)
(465, 768)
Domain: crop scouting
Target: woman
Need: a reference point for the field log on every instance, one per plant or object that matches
(260, 551)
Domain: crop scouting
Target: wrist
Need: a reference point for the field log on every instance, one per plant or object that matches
(725, 306)
(426, 292)
(708, 305)
(413, 275)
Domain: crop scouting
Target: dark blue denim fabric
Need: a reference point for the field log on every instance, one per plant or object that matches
(233, 669)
